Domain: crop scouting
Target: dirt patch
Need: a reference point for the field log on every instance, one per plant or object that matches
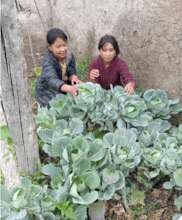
(158, 206)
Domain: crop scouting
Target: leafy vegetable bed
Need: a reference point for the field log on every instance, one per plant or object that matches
(104, 143)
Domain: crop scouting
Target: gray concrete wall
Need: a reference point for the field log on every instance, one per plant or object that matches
(149, 33)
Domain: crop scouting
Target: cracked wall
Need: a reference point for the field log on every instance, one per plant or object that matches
(149, 33)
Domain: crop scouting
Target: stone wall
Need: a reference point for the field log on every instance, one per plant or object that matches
(149, 33)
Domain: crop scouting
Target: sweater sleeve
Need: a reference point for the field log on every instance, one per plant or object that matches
(93, 65)
(125, 75)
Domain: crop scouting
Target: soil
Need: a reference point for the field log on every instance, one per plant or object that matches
(158, 206)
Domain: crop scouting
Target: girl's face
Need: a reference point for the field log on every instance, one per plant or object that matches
(59, 48)
(107, 53)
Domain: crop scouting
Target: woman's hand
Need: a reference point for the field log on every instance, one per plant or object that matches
(74, 79)
(94, 73)
(130, 88)
(73, 90)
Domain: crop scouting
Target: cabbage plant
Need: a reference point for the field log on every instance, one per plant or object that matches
(99, 137)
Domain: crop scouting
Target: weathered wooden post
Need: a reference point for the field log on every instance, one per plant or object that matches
(15, 96)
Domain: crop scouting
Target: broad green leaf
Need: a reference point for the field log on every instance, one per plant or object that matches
(60, 194)
(61, 125)
(49, 216)
(177, 217)
(17, 215)
(108, 140)
(85, 199)
(178, 202)
(4, 210)
(45, 135)
(81, 166)
(76, 126)
(89, 198)
(92, 179)
(19, 199)
(178, 177)
(154, 173)
(121, 124)
(108, 193)
(168, 185)
(51, 170)
(97, 151)
(121, 182)
(59, 143)
(44, 118)
(110, 175)
(81, 212)
(49, 150)
(5, 194)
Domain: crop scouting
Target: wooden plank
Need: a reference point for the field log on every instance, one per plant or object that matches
(15, 96)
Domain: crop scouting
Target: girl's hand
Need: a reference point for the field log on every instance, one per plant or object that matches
(94, 73)
(74, 79)
(73, 90)
(130, 88)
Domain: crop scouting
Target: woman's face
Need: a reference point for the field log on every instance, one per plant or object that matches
(107, 52)
(59, 48)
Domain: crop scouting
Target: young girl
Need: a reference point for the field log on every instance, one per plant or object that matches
(58, 69)
(109, 69)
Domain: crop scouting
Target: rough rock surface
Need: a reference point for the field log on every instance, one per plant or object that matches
(149, 33)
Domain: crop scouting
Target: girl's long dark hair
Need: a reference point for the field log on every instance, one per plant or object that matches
(109, 39)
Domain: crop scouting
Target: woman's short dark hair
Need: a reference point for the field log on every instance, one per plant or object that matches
(55, 33)
(109, 39)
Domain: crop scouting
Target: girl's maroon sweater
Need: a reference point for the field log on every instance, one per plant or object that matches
(116, 73)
